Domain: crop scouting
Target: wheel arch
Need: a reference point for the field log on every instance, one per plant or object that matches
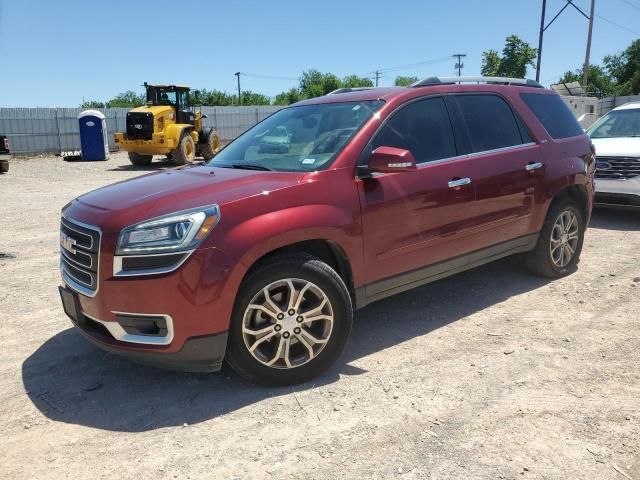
(577, 193)
(328, 251)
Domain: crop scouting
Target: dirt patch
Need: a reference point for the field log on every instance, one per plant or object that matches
(493, 373)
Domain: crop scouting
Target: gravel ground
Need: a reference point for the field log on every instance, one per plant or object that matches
(490, 374)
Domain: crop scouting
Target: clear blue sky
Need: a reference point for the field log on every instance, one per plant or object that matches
(54, 53)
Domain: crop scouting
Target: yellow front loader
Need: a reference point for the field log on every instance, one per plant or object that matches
(167, 125)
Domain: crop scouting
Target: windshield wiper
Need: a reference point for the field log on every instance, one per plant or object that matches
(251, 166)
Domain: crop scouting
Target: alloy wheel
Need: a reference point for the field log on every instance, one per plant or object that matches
(287, 323)
(564, 238)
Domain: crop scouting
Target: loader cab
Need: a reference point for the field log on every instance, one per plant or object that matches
(176, 96)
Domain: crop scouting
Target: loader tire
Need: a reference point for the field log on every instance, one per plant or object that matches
(211, 145)
(140, 160)
(186, 151)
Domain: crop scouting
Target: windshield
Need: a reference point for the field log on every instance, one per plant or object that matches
(616, 124)
(297, 139)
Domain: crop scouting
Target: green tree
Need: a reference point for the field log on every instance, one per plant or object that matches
(600, 83)
(354, 81)
(625, 69)
(516, 56)
(401, 81)
(288, 97)
(215, 98)
(314, 83)
(253, 98)
(92, 104)
(127, 99)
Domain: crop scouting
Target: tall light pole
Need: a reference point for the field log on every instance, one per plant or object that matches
(377, 77)
(237, 74)
(544, 8)
(585, 75)
(459, 64)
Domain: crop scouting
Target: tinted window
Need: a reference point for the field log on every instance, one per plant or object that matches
(617, 124)
(421, 127)
(298, 139)
(490, 122)
(554, 114)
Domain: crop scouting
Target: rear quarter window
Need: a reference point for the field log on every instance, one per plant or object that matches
(554, 114)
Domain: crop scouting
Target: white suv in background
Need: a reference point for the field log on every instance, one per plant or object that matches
(616, 137)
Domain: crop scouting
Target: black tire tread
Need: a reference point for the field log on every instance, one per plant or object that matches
(207, 150)
(177, 156)
(288, 377)
(140, 160)
(538, 260)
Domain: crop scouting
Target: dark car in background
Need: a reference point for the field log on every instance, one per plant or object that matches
(5, 154)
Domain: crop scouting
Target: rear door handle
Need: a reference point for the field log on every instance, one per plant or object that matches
(459, 182)
(533, 166)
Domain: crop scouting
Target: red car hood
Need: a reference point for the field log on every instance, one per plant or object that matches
(169, 191)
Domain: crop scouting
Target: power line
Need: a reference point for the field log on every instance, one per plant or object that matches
(268, 77)
(631, 4)
(411, 65)
(617, 25)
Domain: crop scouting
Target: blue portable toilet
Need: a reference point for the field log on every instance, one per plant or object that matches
(93, 135)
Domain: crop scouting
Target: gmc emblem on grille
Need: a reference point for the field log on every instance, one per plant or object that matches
(67, 243)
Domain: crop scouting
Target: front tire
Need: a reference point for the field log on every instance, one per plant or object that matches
(210, 147)
(560, 243)
(186, 151)
(291, 321)
(140, 160)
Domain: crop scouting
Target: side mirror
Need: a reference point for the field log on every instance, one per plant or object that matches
(391, 159)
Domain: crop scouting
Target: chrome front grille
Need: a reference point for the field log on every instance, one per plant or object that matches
(79, 255)
(618, 168)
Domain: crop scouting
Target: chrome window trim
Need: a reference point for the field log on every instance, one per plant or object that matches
(66, 276)
(120, 334)
(477, 154)
(118, 272)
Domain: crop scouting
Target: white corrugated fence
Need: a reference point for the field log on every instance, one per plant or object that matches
(55, 130)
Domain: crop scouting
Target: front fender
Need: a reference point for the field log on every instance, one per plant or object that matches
(257, 236)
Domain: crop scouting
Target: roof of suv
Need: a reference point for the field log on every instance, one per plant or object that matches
(628, 106)
(431, 85)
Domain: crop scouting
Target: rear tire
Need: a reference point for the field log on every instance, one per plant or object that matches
(210, 147)
(4, 166)
(560, 243)
(140, 160)
(186, 151)
(299, 345)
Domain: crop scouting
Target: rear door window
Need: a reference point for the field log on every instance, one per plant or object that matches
(423, 128)
(554, 114)
(490, 122)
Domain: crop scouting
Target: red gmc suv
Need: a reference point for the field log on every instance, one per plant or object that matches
(260, 256)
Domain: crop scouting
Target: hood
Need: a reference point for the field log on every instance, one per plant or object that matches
(155, 110)
(172, 190)
(617, 147)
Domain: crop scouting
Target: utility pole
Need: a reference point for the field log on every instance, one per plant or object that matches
(377, 76)
(543, 28)
(585, 76)
(237, 74)
(544, 8)
(459, 64)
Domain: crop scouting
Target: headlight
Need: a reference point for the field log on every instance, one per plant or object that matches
(176, 232)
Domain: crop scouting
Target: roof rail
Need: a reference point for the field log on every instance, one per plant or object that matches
(433, 81)
(350, 89)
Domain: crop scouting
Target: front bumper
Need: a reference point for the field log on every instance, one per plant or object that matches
(618, 193)
(203, 353)
(158, 145)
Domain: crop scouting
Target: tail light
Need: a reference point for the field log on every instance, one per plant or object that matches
(6, 143)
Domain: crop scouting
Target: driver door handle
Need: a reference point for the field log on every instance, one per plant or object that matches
(533, 166)
(459, 182)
